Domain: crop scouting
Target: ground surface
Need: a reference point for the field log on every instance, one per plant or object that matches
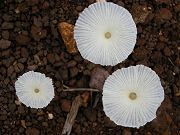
(29, 40)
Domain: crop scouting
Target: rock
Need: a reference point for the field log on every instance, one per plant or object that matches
(10, 70)
(21, 110)
(73, 71)
(45, 5)
(6, 53)
(44, 124)
(33, 2)
(64, 74)
(17, 102)
(7, 17)
(33, 110)
(50, 116)
(140, 13)
(51, 58)
(163, 119)
(164, 14)
(32, 131)
(32, 67)
(163, 1)
(91, 1)
(37, 21)
(38, 33)
(67, 33)
(126, 132)
(98, 77)
(24, 52)
(108, 123)
(71, 63)
(90, 114)
(3, 117)
(5, 34)
(167, 51)
(4, 44)
(7, 25)
(120, 3)
(66, 105)
(22, 39)
(79, 8)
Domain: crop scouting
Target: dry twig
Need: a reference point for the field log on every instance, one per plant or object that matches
(72, 115)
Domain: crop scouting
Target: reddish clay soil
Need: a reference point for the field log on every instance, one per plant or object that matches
(30, 40)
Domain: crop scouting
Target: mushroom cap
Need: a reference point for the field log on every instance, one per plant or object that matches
(131, 96)
(105, 33)
(34, 89)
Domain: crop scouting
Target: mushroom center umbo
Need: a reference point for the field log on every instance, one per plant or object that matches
(36, 90)
(107, 35)
(132, 95)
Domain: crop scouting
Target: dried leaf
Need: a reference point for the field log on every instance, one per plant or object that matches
(67, 33)
(72, 115)
(98, 77)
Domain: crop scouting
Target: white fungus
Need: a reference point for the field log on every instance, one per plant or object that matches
(105, 33)
(34, 89)
(131, 96)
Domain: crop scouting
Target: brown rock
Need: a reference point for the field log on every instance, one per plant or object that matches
(32, 131)
(38, 33)
(5, 34)
(67, 33)
(71, 63)
(3, 117)
(7, 25)
(167, 51)
(140, 13)
(22, 39)
(51, 58)
(126, 132)
(98, 76)
(66, 105)
(163, 1)
(90, 114)
(21, 110)
(4, 44)
(163, 119)
(45, 5)
(120, 3)
(73, 71)
(79, 8)
(10, 70)
(24, 52)
(32, 67)
(165, 14)
(108, 123)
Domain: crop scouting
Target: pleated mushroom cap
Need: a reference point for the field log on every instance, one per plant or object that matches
(34, 89)
(131, 96)
(105, 33)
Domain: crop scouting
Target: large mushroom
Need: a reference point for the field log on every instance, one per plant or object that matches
(131, 96)
(105, 33)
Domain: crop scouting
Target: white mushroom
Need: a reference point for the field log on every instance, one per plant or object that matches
(105, 33)
(34, 89)
(131, 96)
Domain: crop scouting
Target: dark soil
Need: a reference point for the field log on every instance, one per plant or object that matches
(29, 40)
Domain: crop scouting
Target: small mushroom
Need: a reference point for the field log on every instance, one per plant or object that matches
(131, 96)
(34, 89)
(105, 33)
